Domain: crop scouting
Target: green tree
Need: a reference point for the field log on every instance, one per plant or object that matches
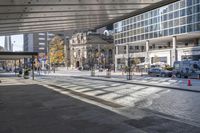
(57, 50)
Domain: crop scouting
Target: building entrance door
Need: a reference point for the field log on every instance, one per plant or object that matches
(77, 64)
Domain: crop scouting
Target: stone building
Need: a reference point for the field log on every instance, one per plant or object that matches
(91, 50)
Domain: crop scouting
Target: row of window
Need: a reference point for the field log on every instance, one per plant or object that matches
(158, 19)
(176, 18)
(167, 32)
(159, 27)
(193, 17)
(173, 12)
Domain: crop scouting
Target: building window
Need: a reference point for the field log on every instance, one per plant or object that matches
(197, 27)
(176, 14)
(137, 47)
(189, 10)
(176, 5)
(189, 19)
(165, 32)
(176, 22)
(196, 9)
(155, 35)
(171, 31)
(182, 4)
(41, 43)
(183, 21)
(176, 31)
(171, 16)
(171, 24)
(189, 2)
(41, 38)
(41, 48)
(183, 29)
(124, 47)
(196, 1)
(189, 28)
(182, 12)
(41, 33)
(171, 8)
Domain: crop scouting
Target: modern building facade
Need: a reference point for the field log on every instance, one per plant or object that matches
(37, 42)
(168, 33)
(28, 43)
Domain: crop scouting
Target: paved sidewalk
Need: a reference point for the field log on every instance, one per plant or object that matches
(176, 83)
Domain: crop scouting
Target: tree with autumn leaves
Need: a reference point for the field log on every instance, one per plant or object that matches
(57, 50)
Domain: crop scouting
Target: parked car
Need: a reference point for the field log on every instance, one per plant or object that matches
(187, 69)
(80, 68)
(18, 70)
(158, 72)
(100, 69)
(86, 67)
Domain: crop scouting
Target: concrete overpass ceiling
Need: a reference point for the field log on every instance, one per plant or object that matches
(22, 16)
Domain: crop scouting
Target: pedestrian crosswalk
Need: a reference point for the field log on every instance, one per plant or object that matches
(123, 94)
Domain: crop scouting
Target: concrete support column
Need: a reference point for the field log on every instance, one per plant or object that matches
(127, 49)
(147, 46)
(127, 54)
(174, 51)
(116, 63)
(117, 50)
(147, 58)
(99, 53)
(116, 53)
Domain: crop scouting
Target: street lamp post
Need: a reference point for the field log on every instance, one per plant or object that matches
(92, 62)
(129, 76)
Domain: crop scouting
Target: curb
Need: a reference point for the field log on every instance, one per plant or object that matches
(134, 83)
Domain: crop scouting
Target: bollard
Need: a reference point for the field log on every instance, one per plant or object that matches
(189, 82)
(108, 74)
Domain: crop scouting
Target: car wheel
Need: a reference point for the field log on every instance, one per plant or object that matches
(178, 75)
(162, 75)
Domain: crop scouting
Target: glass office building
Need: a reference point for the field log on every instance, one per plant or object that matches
(175, 19)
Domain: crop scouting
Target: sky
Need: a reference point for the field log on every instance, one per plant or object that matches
(17, 41)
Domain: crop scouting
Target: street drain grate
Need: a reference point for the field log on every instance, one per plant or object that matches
(107, 103)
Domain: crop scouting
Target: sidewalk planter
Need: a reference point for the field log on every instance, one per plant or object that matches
(19, 75)
(26, 74)
(93, 73)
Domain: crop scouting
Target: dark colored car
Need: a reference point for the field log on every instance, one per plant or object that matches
(158, 72)
(18, 70)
